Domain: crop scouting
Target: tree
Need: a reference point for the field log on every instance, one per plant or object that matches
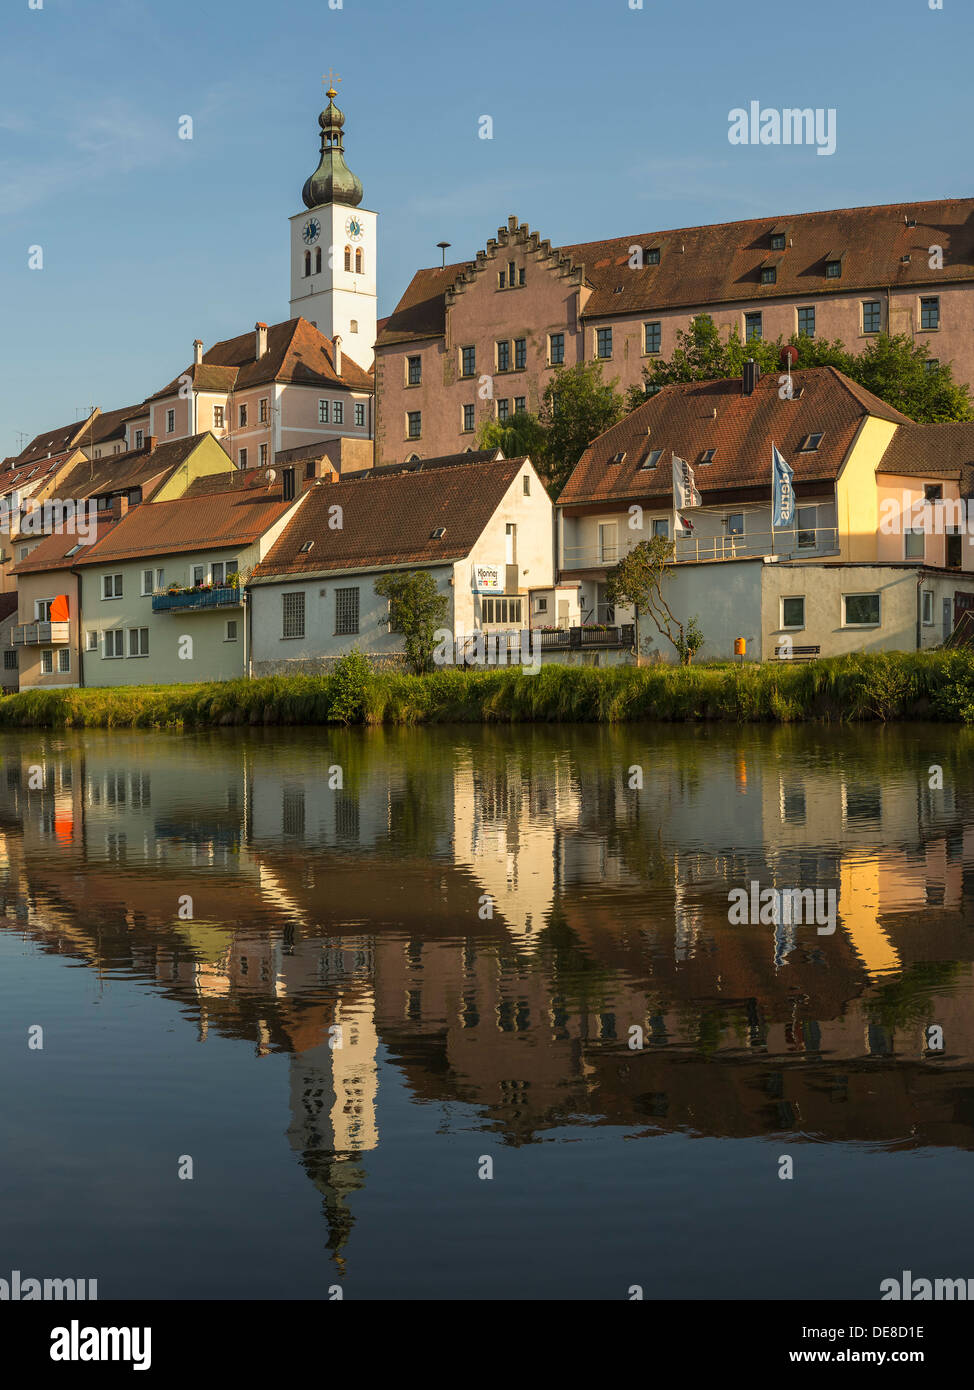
(416, 610)
(577, 406)
(896, 369)
(637, 582)
(522, 433)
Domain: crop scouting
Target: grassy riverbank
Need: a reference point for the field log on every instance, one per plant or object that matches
(899, 685)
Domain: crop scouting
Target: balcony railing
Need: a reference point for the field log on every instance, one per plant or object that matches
(507, 647)
(40, 634)
(194, 600)
(796, 544)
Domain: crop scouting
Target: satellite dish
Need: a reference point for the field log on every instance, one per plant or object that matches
(270, 475)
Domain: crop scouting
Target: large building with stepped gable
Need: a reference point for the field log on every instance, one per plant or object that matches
(481, 339)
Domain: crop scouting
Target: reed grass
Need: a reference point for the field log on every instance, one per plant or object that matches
(883, 686)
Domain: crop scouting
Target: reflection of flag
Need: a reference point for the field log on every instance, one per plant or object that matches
(685, 493)
(782, 493)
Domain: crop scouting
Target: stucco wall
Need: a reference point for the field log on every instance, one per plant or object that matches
(823, 587)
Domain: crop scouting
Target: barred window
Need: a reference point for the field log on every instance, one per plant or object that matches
(501, 610)
(292, 606)
(346, 611)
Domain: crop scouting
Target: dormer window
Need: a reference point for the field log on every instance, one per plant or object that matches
(777, 241)
(833, 270)
(437, 533)
(619, 457)
(769, 274)
(810, 443)
(708, 455)
(652, 458)
(653, 255)
(306, 548)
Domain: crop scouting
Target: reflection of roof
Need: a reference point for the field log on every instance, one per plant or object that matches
(691, 418)
(390, 519)
(721, 263)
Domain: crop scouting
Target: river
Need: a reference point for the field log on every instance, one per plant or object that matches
(463, 1012)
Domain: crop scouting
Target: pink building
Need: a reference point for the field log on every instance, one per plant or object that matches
(480, 340)
(276, 389)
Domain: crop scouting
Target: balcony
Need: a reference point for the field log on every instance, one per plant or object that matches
(40, 635)
(805, 544)
(196, 600)
(507, 648)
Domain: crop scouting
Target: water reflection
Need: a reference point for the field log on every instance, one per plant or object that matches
(495, 911)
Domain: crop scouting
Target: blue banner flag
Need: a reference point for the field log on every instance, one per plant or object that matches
(782, 492)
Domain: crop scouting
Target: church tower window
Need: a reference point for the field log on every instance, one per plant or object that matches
(348, 258)
(318, 261)
(359, 261)
(307, 262)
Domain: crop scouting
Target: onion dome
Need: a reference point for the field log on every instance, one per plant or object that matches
(332, 181)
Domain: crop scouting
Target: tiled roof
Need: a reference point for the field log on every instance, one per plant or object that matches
(681, 419)
(53, 442)
(26, 478)
(942, 450)
(169, 528)
(240, 480)
(8, 604)
(53, 551)
(297, 353)
(721, 263)
(389, 520)
(136, 468)
(110, 425)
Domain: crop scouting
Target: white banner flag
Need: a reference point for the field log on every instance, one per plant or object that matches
(685, 492)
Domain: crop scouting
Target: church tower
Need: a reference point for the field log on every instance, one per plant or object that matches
(333, 248)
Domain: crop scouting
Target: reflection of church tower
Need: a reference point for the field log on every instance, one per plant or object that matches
(333, 248)
(333, 1094)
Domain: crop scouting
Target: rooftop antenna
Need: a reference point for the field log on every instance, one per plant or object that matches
(444, 247)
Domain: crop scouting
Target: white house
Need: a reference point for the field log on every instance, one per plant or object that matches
(480, 524)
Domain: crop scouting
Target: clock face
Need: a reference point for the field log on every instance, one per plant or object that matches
(353, 228)
(310, 230)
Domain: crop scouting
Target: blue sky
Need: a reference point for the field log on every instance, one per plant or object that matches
(607, 121)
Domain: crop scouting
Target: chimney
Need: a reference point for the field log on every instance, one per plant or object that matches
(337, 340)
(151, 442)
(261, 331)
(197, 351)
(751, 375)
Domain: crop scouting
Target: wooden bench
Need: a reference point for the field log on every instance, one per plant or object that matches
(797, 654)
